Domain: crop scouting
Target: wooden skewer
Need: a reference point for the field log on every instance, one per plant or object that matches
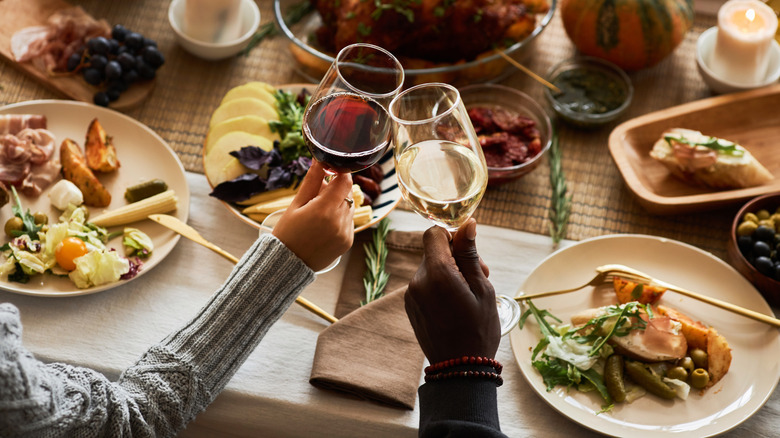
(525, 70)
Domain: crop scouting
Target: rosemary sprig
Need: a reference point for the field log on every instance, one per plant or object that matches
(561, 203)
(375, 278)
(296, 14)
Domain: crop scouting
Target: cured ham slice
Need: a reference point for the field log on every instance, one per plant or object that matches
(48, 47)
(26, 158)
(13, 123)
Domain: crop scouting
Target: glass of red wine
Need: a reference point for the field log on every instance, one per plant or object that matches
(346, 126)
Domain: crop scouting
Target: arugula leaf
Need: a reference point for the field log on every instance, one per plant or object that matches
(30, 227)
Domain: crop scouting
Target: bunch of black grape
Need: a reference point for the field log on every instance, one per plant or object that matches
(115, 63)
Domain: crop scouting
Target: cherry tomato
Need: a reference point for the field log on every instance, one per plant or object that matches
(68, 250)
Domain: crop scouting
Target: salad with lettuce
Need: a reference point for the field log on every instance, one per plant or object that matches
(72, 247)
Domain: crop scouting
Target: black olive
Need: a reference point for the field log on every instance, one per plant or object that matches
(745, 244)
(761, 249)
(764, 233)
(765, 266)
(777, 271)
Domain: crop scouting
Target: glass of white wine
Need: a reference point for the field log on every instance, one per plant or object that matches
(439, 163)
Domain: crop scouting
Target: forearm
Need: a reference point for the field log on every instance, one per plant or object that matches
(459, 408)
(172, 382)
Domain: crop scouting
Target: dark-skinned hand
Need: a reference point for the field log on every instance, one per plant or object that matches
(450, 302)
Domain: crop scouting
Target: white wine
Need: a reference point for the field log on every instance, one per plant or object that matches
(444, 181)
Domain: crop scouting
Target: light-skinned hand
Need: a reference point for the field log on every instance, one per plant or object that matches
(317, 225)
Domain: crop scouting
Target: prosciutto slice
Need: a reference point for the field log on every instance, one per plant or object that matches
(13, 123)
(26, 160)
(48, 47)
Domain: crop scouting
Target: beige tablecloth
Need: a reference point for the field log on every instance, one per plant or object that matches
(270, 396)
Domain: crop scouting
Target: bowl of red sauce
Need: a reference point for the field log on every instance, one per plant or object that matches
(513, 130)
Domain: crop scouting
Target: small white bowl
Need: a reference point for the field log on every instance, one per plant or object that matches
(704, 47)
(250, 22)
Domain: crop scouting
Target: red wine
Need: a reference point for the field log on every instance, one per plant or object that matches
(346, 132)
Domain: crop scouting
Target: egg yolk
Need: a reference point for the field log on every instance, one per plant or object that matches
(68, 250)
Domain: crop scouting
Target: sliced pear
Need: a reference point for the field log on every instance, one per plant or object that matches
(252, 89)
(217, 162)
(243, 106)
(250, 124)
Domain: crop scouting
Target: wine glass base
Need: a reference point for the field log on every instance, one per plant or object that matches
(508, 313)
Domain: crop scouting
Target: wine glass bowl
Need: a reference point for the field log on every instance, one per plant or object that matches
(439, 163)
(345, 124)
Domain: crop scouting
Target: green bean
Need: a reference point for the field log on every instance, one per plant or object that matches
(613, 378)
(652, 383)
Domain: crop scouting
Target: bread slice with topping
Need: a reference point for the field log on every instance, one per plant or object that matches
(708, 161)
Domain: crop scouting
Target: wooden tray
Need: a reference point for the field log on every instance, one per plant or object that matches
(18, 14)
(750, 118)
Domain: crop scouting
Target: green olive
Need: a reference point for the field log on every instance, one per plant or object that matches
(746, 228)
(750, 217)
(699, 358)
(13, 224)
(678, 373)
(762, 214)
(687, 364)
(40, 218)
(767, 223)
(700, 378)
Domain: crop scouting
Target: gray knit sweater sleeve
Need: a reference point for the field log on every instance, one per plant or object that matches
(172, 382)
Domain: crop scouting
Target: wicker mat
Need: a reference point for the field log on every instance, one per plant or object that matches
(188, 89)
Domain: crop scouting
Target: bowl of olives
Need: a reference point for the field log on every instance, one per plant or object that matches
(754, 246)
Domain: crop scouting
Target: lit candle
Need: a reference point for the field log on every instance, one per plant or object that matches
(746, 29)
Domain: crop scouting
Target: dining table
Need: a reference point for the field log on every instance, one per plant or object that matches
(270, 395)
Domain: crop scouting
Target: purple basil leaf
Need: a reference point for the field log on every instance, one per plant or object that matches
(255, 158)
(278, 177)
(300, 166)
(240, 188)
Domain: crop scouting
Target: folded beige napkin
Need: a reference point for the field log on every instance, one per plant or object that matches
(371, 352)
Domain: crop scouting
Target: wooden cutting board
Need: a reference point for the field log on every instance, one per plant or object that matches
(18, 14)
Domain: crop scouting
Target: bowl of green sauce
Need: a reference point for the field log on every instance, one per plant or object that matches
(593, 91)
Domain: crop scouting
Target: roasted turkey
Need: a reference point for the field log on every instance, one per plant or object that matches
(433, 30)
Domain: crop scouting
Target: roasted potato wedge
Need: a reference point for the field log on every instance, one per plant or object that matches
(100, 150)
(75, 170)
(695, 332)
(631, 291)
(718, 356)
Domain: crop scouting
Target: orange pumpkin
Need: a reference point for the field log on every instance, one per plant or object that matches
(633, 34)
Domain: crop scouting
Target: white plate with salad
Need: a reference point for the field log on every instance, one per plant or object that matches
(143, 155)
(755, 346)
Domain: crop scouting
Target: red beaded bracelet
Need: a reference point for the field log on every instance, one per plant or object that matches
(465, 360)
(472, 374)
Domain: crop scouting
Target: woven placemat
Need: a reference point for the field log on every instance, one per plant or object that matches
(189, 89)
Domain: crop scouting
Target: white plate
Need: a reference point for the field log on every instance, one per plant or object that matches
(755, 367)
(143, 155)
(383, 205)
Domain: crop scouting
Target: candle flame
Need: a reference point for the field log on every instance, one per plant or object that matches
(750, 14)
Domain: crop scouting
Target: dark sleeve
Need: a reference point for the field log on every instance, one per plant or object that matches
(456, 408)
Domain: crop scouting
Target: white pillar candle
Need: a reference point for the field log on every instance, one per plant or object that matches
(213, 21)
(746, 29)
